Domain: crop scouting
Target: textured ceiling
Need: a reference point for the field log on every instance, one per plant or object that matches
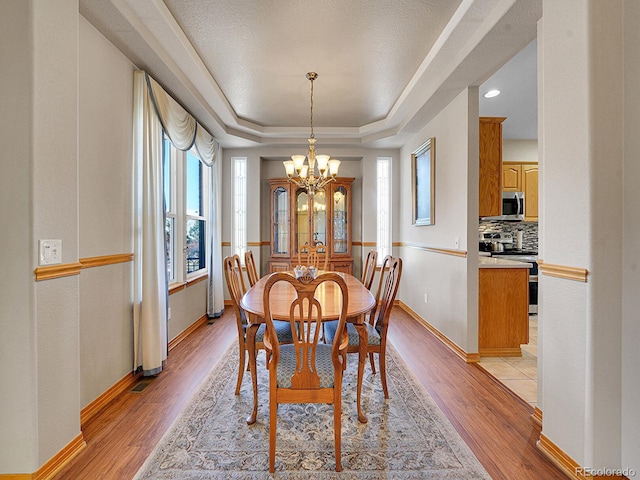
(384, 67)
(365, 53)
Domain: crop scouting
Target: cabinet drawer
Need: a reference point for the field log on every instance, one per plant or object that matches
(279, 267)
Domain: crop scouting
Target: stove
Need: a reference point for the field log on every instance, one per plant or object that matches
(515, 252)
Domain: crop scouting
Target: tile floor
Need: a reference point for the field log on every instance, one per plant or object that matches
(519, 374)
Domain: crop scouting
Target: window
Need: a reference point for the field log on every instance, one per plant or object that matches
(383, 239)
(186, 190)
(196, 222)
(169, 177)
(239, 217)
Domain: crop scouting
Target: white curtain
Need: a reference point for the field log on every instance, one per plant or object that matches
(215, 303)
(150, 271)
(155, 111)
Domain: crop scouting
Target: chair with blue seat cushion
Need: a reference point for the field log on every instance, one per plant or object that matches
(252, 271)
(236, 286)
(378, 322)
(306, 371)
(369, 270)
(312, 255)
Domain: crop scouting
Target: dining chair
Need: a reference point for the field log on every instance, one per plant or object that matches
(369, 270)
(311, 255)
(306, 371)
(235, 284)
(252, 272)
(378, 322)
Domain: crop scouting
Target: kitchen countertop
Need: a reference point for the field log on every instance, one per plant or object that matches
(493, 262)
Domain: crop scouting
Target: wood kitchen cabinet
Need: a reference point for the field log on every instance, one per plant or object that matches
(503, 311)
(298, 218)
(490, 166)
(522, 177)
(530, 189)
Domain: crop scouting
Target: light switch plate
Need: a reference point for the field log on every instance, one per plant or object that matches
(50, 252)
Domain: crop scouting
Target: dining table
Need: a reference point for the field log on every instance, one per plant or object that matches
(360, 302)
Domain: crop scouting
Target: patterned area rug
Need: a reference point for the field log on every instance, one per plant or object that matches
(407, 436)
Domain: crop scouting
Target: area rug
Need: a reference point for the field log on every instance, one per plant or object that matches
(406, 437)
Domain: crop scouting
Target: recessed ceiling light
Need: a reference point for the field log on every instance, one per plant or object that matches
(492, 93)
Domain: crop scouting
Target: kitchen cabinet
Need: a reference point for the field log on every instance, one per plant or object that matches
(522, 177)
(490, 166)
(530, 189)
(503, 307)
(511, 177)
(298, 218)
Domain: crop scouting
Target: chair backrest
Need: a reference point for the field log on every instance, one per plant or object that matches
(388, 294)
(369, 270)
(311, 255)
(305, 318)
(252, 272)
(235, 284)
(384, 270)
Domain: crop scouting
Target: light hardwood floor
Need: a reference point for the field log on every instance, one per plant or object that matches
(494, 422)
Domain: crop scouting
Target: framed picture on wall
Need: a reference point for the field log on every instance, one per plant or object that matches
(423, 162)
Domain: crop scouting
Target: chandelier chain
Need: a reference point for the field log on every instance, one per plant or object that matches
(304, 175)
(312, 135)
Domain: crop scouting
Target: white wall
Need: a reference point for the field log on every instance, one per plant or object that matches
(581, 152)
(105, 207)
(631, 252)
(18, 401)
(520, 150)
(67, 175)
(449, 281)
(55, 215)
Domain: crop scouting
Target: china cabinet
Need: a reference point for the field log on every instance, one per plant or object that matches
(298, 218)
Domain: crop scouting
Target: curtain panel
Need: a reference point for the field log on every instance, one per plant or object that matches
(154, 112)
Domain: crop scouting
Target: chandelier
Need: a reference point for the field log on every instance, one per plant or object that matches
(304, 174)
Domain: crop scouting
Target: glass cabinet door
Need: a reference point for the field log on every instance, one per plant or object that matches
(280, 221)
(302, 218)
(311, 218)
(340, 230)
(320, 217)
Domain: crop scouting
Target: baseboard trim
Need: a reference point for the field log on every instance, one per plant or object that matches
(558, 457)
(567, 464)
(500, 352)
(537, 416)
(65, 455)
(467, 357)
(62, 458)
(124, 384)
(188, 331)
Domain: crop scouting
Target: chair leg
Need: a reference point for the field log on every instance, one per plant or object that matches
(383, 372)
(373, 364)
(337, 427)
(273, 416)
(241, 368)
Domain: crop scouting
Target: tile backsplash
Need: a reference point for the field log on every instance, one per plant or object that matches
(529, 229)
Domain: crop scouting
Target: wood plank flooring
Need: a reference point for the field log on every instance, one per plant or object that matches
(493, 422)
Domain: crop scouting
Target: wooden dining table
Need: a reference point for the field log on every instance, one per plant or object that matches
(328, 294)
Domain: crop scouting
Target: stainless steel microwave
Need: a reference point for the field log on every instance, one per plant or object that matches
(512, 207)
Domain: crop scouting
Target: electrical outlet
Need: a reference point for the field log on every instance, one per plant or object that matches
(169, 313)
(456, 242)
(50, 252)
(425, 298)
